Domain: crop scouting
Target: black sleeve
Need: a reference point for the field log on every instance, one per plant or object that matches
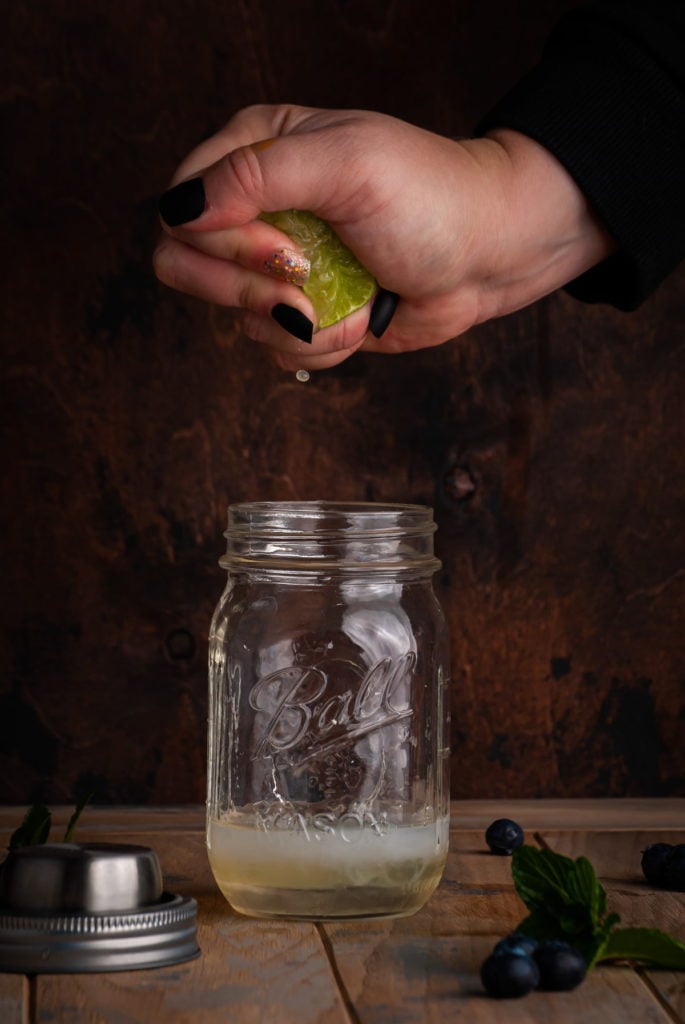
(608, 100)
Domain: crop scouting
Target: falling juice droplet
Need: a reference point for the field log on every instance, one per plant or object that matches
(302, 376)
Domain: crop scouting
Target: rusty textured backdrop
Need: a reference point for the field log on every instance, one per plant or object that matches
(551, 442)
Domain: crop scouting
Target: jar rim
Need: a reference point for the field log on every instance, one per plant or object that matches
(325, 503)
(331, 535)
(251, 513)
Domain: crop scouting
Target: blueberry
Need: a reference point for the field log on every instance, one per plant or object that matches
(673, 872)
(561, 967)
(504, 836)
(507, 975)
(653, 860)
(518, 943)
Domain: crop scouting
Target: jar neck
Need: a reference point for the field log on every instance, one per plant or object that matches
(331, 538)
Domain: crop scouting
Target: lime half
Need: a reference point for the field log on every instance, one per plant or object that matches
(338, 283)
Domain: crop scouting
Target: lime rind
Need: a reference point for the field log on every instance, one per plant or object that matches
(338, 284)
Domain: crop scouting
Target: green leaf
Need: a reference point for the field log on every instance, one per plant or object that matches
(566, 901)
(541, 925)
(565, 888)
(647, 945)
(541, 877)
(584, 887)
(34, 829)
(73, 820)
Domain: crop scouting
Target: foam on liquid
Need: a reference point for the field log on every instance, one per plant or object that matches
(309, 874)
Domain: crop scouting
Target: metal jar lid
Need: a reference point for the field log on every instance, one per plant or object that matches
(72, 907)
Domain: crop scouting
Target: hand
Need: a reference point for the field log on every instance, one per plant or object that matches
(461, 230)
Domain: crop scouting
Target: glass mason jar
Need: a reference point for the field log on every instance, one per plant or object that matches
(328, 752)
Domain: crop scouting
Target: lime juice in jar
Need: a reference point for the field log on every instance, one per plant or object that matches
(326, 869)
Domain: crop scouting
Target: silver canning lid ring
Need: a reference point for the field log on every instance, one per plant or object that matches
(154, 936)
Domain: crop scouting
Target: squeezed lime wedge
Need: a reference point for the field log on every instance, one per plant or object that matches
(338, 284)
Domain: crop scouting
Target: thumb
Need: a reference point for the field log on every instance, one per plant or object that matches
(291, 171)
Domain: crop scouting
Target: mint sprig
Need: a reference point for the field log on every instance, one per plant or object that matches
(35, 828)
(648, 945)
(566, 901)
(73, 820)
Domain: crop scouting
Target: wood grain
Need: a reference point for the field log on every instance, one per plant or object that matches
(466, 815)
(671, 988)
(13, 999)
(397, 979)
(249, 971)
(132, 416)
(616, 858)
(246, 972)
(418, 970)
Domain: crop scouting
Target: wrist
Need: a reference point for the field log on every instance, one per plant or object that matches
(547, 234)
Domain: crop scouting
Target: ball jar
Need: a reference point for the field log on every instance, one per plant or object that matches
(328, 752)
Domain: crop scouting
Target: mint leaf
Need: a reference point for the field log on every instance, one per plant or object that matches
(566, 901)
(601, 939)
(73, 820)
(542, 926)
(34, 829)
(567, 889)
(565, 898)
(541, 877)
(584, 887)
(648, 945)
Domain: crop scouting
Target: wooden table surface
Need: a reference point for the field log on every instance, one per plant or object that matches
(417, 969)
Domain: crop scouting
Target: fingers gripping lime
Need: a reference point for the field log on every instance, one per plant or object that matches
(338, 284)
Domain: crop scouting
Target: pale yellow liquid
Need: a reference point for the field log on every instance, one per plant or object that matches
(307, 875)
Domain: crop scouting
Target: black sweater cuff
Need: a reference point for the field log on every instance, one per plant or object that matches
(614, 115)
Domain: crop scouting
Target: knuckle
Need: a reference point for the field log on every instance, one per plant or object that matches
(253, 326)
(246, 294)
(244, 166)
(347, 334)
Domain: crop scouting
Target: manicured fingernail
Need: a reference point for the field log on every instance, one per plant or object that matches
(294, 322)
(382, 311)
(289, 266)
(182, 203)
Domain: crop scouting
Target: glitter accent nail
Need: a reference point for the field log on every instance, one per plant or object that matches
(289, 266)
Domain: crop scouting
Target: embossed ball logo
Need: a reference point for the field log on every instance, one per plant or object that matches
(306, 711)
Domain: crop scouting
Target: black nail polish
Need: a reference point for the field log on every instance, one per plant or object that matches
(294, 322)
(183, 202)
(382, 311)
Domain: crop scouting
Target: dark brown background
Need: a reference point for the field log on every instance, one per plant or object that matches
(132, 417)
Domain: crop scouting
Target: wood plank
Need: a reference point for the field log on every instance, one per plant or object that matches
(13, 999)
(598, 815)
(395, 978)
(671, 988)
(249, 971)
(616, 855)
(114, 819)
(469, 911)
(471, 863)
(256, 971)
(616, 858)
